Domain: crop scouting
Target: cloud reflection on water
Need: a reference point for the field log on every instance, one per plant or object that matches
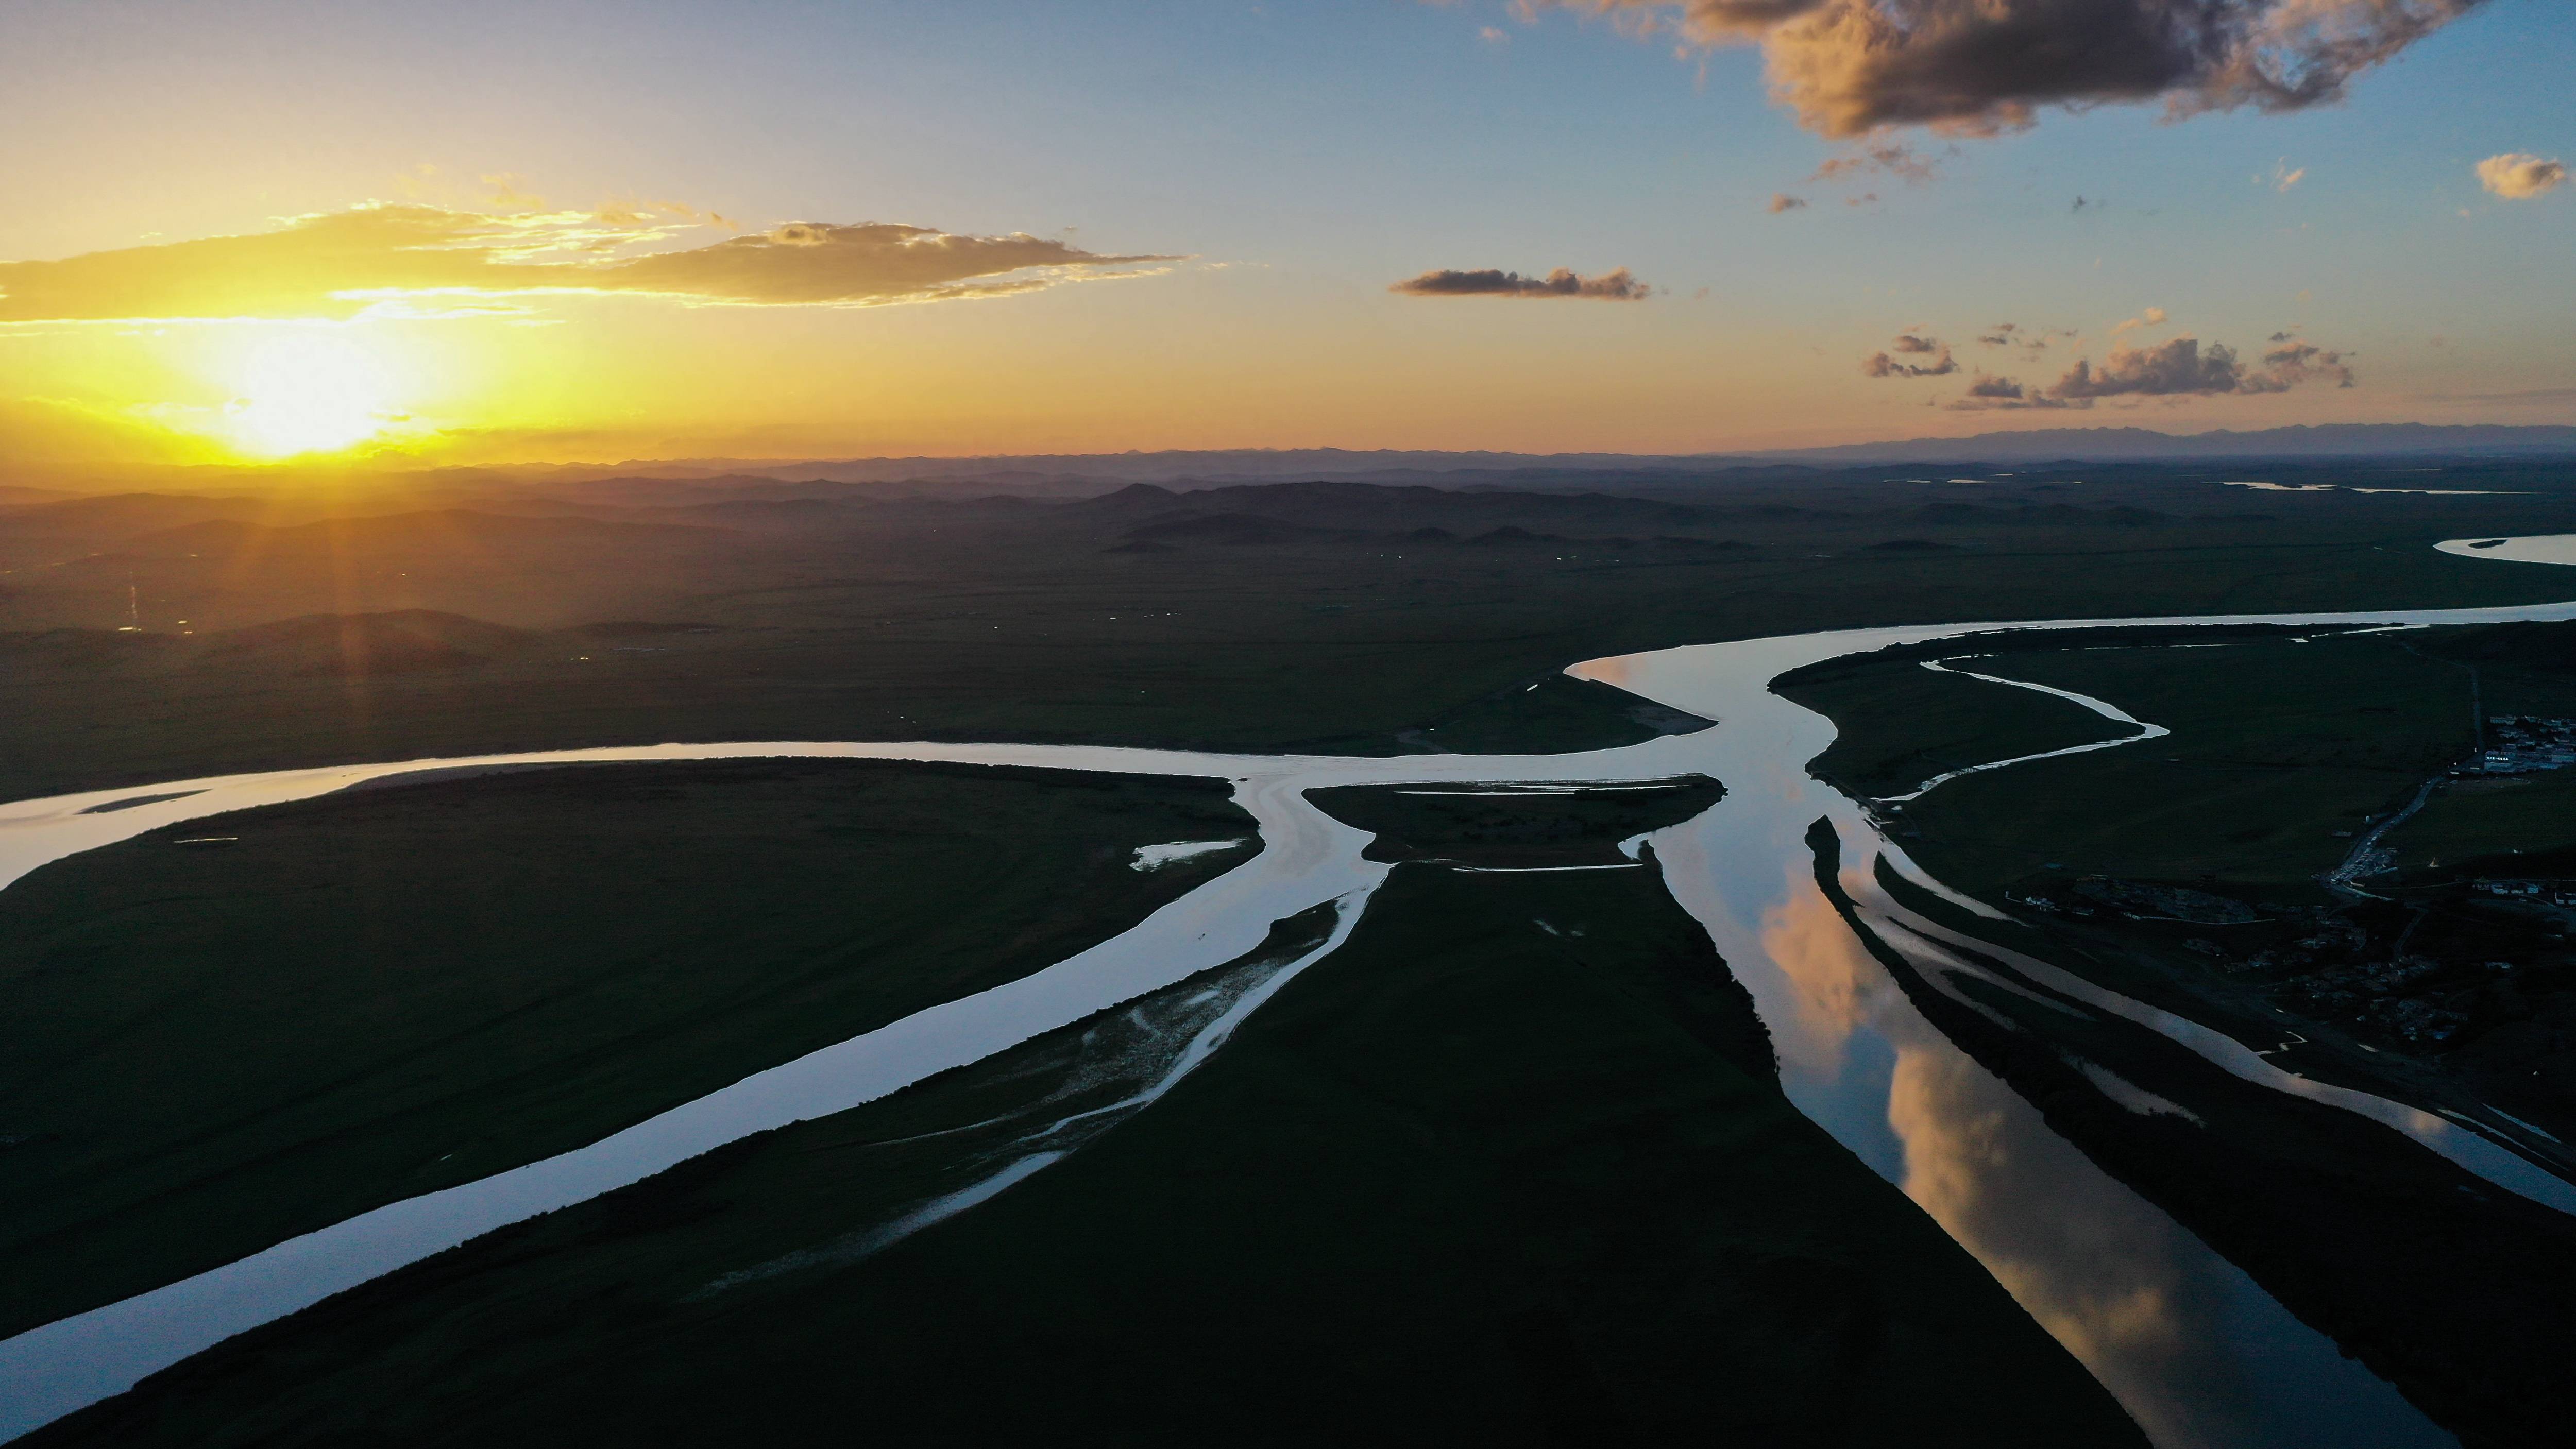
(2124, 1287)
(1830, 981)
(2197, 1352)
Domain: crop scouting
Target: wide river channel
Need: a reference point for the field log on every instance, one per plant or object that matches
(2190, 1344)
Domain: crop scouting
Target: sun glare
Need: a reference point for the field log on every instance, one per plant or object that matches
(309, 393)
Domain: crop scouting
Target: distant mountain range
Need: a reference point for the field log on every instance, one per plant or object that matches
(1078, 475)
(1226, 464)
(2331, 440)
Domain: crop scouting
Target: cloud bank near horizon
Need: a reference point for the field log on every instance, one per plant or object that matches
(2177, 368)
(416, 258)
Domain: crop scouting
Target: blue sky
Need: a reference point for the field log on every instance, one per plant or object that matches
(1325, 150)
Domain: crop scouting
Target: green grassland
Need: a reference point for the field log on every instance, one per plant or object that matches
(2281, 756)
(2275, 746)
(2477, 826)
(1474, 826)
(2279, 752)
(1509, 1168)
(1037, 622)
(389, 991)
(1899, 724)
(1482, 827)
(1556, 714)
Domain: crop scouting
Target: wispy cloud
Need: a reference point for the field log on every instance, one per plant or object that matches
(2520, 176)
(1618, 286)
(335, 265)
(1893, 158)
(2032, 341)
(509, 188)
(2528, 397)
(2151, 317)
(1978, 67)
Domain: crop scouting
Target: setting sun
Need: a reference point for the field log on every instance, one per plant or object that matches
(309, 393)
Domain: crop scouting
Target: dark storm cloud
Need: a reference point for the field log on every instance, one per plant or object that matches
(1982, 66)
(1616, 286)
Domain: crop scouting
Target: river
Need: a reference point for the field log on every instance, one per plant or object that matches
(2200, 1354)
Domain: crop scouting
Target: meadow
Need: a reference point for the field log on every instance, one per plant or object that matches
(1334, 618)
(380, 993)
(2276, 746)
